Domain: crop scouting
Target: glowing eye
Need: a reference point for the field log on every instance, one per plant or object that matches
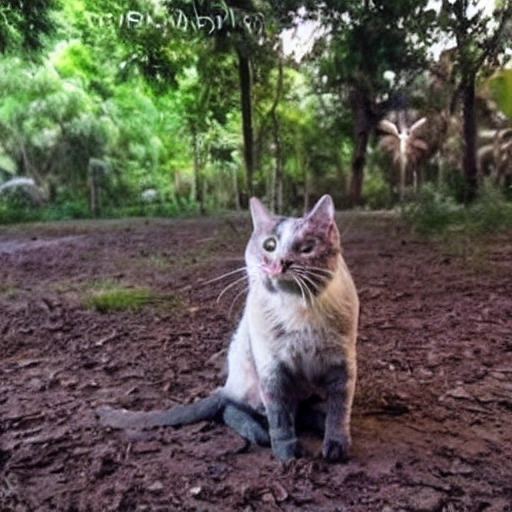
(270, 244)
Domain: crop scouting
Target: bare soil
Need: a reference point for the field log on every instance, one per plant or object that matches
(432, 422)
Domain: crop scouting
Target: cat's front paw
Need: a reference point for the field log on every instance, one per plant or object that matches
(336, 449)
(287, 449)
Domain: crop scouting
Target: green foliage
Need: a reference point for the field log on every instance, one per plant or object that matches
(377, 193)
(491, 213)
(159, 106)
(23, 24)
(438, 212)
(501, 87)
(433, 212)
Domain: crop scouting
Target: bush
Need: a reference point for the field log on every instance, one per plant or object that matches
(492, 211)
(377, 194)
(437, 211)
(433, 212)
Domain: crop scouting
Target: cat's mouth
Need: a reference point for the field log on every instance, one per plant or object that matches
(275, 268)
(284, 276)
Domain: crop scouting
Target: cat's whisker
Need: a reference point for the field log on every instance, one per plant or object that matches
(325, 271)
(311, 294)
(229, 286)
(307, 294)
(307, 279)
(312, 277)
(239, 294)
(322, 275)
(223, 276)
(301, 287)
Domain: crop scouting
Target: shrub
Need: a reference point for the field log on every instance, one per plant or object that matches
(433, 212)
(437, 211)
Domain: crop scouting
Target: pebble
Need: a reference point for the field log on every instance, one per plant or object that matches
(425, 499)
(156, 487)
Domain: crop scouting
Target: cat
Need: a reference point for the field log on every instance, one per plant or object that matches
(292, 359)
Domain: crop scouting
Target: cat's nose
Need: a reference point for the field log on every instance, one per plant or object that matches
(285, 265)
(275, 268)
(272, 268)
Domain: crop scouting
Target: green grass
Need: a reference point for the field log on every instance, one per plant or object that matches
(110, 296)
(12, 212)
(116, 298)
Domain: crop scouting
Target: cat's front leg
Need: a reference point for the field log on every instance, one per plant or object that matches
(281, 406)
(339, 385)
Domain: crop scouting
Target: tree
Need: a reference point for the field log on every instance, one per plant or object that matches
(405, 146)
(480, 39)
(23, 24)
(366, 39)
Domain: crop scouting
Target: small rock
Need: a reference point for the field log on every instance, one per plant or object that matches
(146, 447)
(423, 373)
(280, 493)
(69, 382)
(156, 487)
(425, 499)
(459, 467)
(268, 497)
(196, 491)
(458, 392)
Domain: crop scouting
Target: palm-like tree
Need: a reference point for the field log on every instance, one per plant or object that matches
(29, 188)
(405, 146)
(495, 153)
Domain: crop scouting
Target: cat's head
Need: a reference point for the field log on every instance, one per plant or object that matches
(296, 255)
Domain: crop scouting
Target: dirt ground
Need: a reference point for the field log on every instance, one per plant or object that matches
(432, 422)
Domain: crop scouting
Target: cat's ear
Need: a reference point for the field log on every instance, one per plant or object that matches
(323, 211)
(261, 218)
(322, 218)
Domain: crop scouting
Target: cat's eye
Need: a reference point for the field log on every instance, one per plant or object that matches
(307, 247)
(270, 244)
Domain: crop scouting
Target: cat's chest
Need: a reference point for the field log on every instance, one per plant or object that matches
(300, 348)
(301, 338)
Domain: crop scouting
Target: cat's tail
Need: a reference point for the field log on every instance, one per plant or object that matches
(204, 409)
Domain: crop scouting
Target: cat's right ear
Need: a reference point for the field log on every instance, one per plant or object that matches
(261, 218)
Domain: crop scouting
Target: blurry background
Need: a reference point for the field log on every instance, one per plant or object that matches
(113, 108)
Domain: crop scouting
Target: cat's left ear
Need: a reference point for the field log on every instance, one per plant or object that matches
(261, 218)
(322, 218)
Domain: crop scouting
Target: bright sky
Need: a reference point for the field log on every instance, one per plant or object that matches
(299, 41)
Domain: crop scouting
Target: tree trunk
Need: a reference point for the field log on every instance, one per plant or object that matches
(236, 190)
(244, 71)
(363, 121)
(95, 171)
(277, 181)
(469, 135)
(198, 181)
(277, 185)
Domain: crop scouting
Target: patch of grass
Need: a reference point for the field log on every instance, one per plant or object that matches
(12, 212)
(109, 296)
(117, 298)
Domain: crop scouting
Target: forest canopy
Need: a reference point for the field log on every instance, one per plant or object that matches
(136, 107)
